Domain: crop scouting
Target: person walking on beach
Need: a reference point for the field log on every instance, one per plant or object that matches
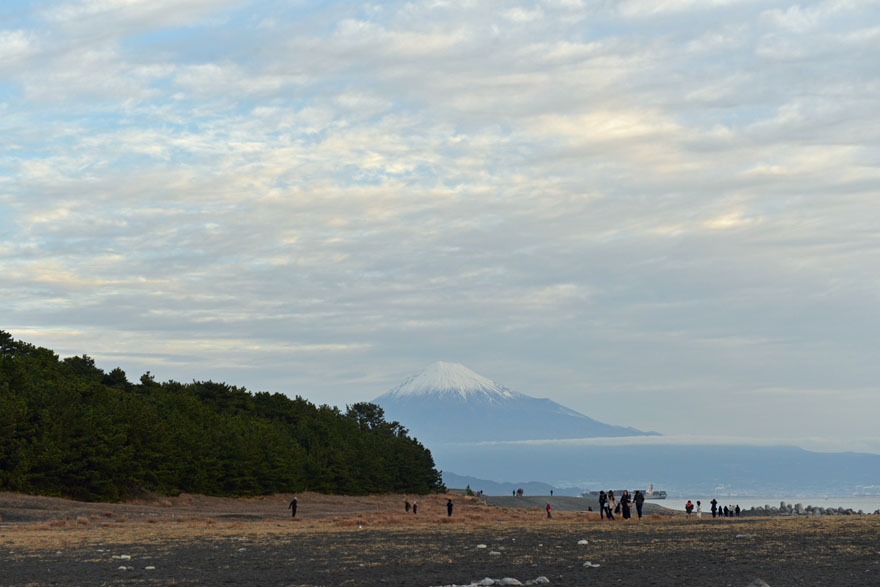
(611, 505)
(699, 510)
(292, 507)
(449, 508)
(639, 500)
(406, 505)
(737, 510)
(688, 508)
(726, 512)
(714, 503)
(415, 508)
(624, 505)
(548, 511)
(603, 499)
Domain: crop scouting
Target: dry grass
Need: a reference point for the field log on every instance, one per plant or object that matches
(196, 517)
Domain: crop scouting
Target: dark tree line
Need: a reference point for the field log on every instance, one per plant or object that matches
(67, 428)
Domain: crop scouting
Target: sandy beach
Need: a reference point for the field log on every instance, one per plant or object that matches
(372, 541)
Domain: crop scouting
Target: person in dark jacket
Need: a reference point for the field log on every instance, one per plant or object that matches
(449, 507)
(639, 500)
(415, 508)
(624, 505)
(292, 507)
(714, 503)
(406, 506)
(603, 499)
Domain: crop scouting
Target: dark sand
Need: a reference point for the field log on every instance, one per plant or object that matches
(370, 541)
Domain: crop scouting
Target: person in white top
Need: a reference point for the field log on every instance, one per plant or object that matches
(699, 510)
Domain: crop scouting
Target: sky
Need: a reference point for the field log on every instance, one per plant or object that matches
(661, 213)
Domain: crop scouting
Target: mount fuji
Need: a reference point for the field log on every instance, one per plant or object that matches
(447, 402)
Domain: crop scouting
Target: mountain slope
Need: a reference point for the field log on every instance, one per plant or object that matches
(447, 402)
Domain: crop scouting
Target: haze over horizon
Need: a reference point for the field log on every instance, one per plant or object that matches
(660, 214)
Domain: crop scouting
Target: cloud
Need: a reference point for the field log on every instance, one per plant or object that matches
(588, 198)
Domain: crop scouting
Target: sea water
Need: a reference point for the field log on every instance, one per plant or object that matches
(868, 503)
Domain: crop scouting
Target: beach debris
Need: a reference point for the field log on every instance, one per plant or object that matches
(583, 542)
(758, 583)
(481, 546)
(591, 564)
(488, 581)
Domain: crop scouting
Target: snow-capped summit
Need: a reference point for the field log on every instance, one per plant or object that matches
(450, 379)
(447, 402)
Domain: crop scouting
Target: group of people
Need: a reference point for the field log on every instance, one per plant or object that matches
(725, 512)
(407, 506)
(717, 511)
(609, 504)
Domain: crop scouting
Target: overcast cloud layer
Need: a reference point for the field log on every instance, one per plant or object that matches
(661, 213)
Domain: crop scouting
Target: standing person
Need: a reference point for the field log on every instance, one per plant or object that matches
(611, 504)
(406, 505)
(603, 499)
(699, 510)
(714, 503)
(449, 508)
(737, 510)
(292, 507)
(688, 507)
(639, 500)
(548, 511)
(415, 508)
(624, 504)
(726, 512)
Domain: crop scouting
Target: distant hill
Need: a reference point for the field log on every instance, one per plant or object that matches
(453, 481)
(447, 402)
